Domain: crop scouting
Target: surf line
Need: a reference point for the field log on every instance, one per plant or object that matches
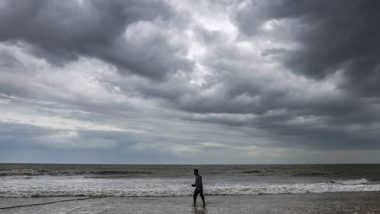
(44, 203)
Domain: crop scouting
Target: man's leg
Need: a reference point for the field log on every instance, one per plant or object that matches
(195, 197)
(203, 198)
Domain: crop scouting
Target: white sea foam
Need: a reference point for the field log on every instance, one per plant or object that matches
(350, 182)
(50, 186)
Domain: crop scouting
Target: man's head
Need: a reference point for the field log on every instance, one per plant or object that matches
(195, 171)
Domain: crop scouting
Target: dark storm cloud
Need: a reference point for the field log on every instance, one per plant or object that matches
(333, 35)
(294, 128)
(208, 81)
(65, 30)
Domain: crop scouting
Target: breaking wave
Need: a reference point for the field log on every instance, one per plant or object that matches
(350, 182)
(48, 186)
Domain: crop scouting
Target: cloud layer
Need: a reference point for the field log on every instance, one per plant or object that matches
(189, 82)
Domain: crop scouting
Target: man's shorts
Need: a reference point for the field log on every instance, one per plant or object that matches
(198, 191)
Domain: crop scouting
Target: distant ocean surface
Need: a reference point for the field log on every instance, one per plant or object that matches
(56, 180)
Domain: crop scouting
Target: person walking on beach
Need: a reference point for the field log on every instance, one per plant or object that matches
(198, 188)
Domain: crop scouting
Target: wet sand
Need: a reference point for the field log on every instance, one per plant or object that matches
(355, 202)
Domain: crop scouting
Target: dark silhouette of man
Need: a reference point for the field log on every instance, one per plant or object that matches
(198, 188)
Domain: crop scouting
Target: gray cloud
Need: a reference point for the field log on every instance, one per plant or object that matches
(65, 30)
(260, 82)
(332, 36)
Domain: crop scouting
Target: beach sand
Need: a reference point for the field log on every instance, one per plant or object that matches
(353, 202)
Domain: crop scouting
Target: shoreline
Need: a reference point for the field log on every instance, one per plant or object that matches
(342, 202)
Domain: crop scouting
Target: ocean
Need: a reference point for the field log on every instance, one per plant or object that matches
(95, 180)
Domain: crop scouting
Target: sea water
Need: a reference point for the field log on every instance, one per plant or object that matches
(56, 180)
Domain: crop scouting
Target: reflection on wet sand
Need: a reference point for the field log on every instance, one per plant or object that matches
(199, 210)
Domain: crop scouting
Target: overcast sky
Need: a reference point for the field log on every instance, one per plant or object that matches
(197, 81)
